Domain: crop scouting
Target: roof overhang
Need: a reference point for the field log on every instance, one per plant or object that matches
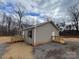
(32, 27)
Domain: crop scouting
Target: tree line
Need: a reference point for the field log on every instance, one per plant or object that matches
(10, 25)
(73, 18)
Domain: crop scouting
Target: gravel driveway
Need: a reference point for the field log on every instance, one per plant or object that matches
(3, 49)
(4, 45)
(57, 51)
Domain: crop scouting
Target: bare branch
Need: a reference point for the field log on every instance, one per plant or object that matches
(74, 14)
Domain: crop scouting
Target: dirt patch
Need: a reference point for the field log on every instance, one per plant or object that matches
(19, 51)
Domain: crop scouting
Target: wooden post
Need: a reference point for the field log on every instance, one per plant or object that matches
(53, 35)
(35, 31)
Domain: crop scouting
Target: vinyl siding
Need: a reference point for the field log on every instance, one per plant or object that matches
(44, 33)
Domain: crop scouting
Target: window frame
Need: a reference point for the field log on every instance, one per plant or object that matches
(30, 33)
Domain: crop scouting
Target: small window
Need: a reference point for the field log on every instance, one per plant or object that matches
(30, 33)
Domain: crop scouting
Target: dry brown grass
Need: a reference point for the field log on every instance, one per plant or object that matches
(10, 39)
(70, 36)
(71, 40)
(16, 38)
(4, 39)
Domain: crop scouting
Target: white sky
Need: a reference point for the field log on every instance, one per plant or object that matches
(53, 8)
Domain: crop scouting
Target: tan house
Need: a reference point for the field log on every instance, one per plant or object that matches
(41, 33)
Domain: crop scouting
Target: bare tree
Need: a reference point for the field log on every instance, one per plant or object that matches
(20, 11)
(3, 20)
(74, 15)
(9, 21)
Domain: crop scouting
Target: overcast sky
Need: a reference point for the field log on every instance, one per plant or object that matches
(41, 8)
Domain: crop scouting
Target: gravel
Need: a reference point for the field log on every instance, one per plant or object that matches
(3, 49)
(57, 51)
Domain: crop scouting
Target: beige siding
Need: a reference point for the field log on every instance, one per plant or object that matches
(55, 30)
(44, 33)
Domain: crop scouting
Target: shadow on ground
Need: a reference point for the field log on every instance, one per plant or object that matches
(3, 47)
(58, 51)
